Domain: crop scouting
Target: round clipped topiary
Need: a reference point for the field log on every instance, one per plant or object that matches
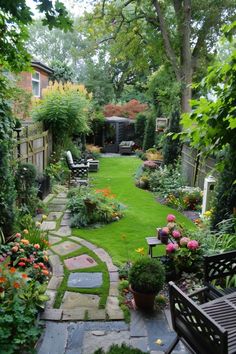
(147, 276)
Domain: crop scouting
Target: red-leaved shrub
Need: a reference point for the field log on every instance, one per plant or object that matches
(128, 110)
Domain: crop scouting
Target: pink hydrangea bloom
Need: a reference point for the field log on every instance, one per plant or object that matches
(176, 234)
(193, 245)
(165, 231)
(171, 247)
(184, 241)
(171, 218)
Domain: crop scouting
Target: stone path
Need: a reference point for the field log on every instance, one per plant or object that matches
(94, 327)
(74, 305)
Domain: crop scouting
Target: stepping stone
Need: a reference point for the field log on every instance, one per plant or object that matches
(63, 231)
(57, 267)
(104, 256)
(48, 225)
(73, 300)
(65, 222)
(113, 309)
(95, 314)
(76, 314)
(59, 201)
(92, 342)
(66, 215)
(52, 296)
(87, 244)
(79, 262)
(114, 276)
(65, 248)
(54, 282)
(137, 324)
(53, 239)
(113, 291)
(62, 195)
(56, 207)
(48, 198)
(54, 215)
(51, 314)
(85, 280)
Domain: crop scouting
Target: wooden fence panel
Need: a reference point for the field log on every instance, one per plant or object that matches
(32, 146)
(195, 169)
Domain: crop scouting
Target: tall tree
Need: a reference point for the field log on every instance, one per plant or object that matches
(144, 33)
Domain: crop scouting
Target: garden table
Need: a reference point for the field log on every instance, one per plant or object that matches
(153, 242)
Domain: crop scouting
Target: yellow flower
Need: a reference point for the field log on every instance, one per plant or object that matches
(140, 250)
(44, 217)
(159, 341)
(208, 213)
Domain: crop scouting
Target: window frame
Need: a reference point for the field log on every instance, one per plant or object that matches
(38, 81)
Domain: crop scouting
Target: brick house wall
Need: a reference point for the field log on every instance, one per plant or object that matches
(25, 78)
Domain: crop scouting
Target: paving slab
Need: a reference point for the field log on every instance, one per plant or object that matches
(104, 256)
(75, 338)
(55, 338)
(51, 314)
(52, 216)
(48, 198)
(48, 225)
(56, 207)
(87, 244)
(53, 239)
(93, 342)
(67, 215)
(63, 231)
(71, 300)
(65, 247)
(62, 195)
(57, 267)
(95, 314)
(76, 314)
(54, 282)
(85, 280)
(137, 324)
(113, 291)
(114, 276)
(139, 343)
(113, 309)
(80, 262)
(52, 296)
(65, 222)
(106, 326)
(59, 201)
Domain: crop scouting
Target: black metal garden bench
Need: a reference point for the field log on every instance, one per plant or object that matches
(220, 273)
(209, 328)
(79, 170)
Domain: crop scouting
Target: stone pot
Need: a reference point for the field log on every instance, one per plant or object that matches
(143, 301)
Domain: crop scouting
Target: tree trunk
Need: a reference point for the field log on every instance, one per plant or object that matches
(186, 57)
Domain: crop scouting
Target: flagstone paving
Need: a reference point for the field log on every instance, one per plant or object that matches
(91, 329)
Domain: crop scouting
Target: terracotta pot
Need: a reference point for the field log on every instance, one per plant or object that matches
(143, 301)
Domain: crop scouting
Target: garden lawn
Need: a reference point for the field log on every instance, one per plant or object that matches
(142, 216)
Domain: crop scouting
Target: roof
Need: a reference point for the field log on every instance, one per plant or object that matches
(39, 65)
(114, 119)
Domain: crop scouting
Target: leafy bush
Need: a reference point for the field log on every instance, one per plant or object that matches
(165, 180)
(64, 109)
(25, 181)
(147, 275)
(89, 207)
(185, 198)
(140, 123)
(123, 349)
(58, 171)
(20, 300)
(172, 147)
(149, 134)
(129, 109)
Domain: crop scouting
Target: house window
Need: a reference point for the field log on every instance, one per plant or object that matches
(36, 84)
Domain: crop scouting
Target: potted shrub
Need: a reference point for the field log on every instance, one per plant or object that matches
(146, 278)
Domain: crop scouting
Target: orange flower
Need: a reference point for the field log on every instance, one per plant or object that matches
(2, 279)
(16, 285)
(36, 266)
(37, 246)
(12, 270)
(24, 276)
(24, 241)
(45, 272)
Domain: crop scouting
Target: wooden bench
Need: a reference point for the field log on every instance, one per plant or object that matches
(206, 329)
(153, 241)
(218, 270)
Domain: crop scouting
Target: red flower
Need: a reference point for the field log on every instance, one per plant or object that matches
(16, 285)
(36, 266)
(24, 276)
(21, 264)
(12, 270)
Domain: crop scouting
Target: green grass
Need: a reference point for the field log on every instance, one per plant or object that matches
(142, 216)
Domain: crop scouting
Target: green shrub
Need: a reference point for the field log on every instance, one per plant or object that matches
(89, 207)
(58, 171)
(123, 349)
(25, 182)
(166, 180)
(149, 134)
(172, 147)
(20, 300)
(147, 275)
(140, 123)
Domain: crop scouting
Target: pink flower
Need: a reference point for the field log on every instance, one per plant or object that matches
(171, 247)
(192, 245)
(21, 264)
(37, 246)
(184, 241)
(171, 218)
(18, 235)
(165, 231)
(176, 234)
